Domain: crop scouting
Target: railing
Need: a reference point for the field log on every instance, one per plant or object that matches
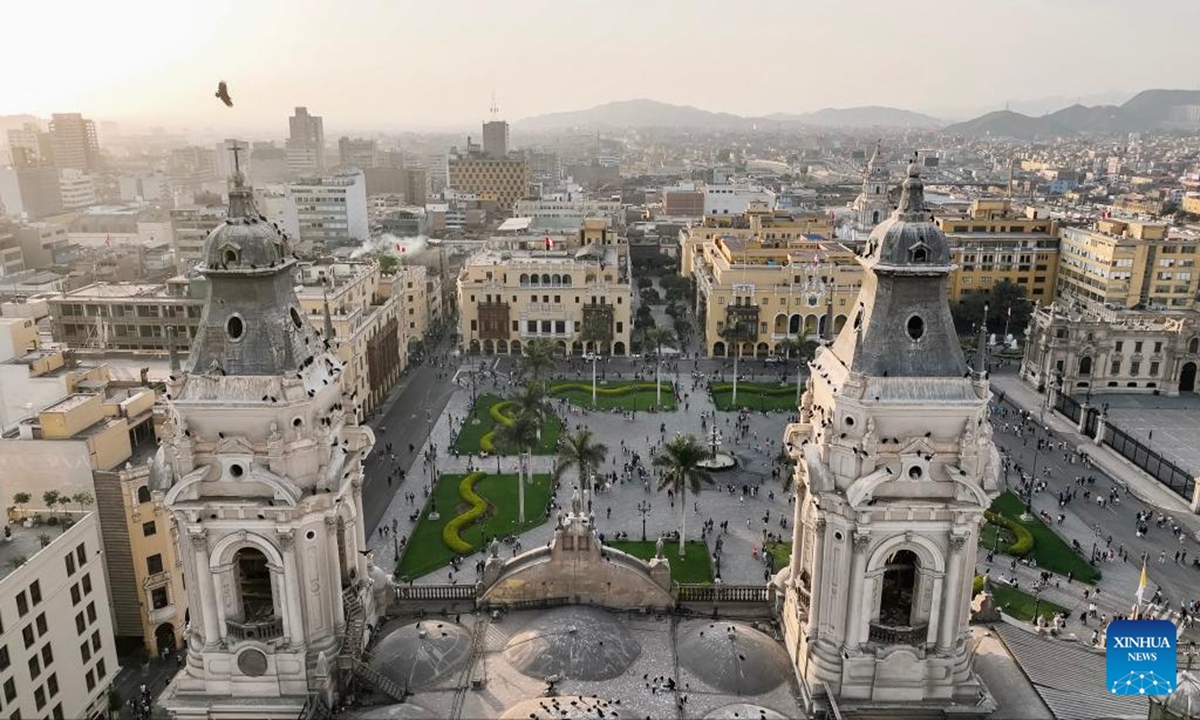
(1176, 479)
(262, 630)
(889, 635)
(435, 592)
(723, 593)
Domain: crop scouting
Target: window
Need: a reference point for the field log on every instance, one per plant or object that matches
(57, 713)
(70, 562)
(154, 564)
(39, 697)
(100, 671)
(47, 655)
(1137, 346)
(96, 641)
(1116, 368)
(5, 660)
(80, 625)
(87, 584)
(85, 651)
(143, 492)
(1120, 345)
(1134, 368)
(41, 624)
(90, 680)
(76, 596)
(10, 690)
(148, 529)
(1154, 369)
(35, 592)
(81, 555)
(28, 636)
(22, 604)
(35, 667)
(1157, 347)
(91, 612)
(158, 598)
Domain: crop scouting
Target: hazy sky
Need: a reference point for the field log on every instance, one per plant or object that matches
(398, 64)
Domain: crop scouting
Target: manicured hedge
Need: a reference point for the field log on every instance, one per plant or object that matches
(1023, 542)
(788, 391)
(466, 489)
(625, 389)
(487, 442)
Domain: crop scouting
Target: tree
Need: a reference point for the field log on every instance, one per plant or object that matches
(656, 337)
(387, 263)
(50, 498)
(534, 402)
(680, 460)
(734, 333)
(580, 451)
(20, 499)
(800, 348)
(522, 434)
(968, 312)
(539, 356)
(83, 499)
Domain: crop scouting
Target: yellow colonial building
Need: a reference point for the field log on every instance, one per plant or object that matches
(1121, 264)
(577, 293)
(772, 276)
(991, 243)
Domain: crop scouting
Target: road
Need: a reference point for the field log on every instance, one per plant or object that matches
(1115, 520)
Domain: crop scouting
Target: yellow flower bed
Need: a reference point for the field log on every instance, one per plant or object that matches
(607, 392)
(486, 442)
(1023, 539)
(466, 489)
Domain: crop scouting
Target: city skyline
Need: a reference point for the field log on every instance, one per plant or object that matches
(377, 68)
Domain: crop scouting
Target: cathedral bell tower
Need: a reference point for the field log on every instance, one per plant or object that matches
(894, 468)
(261, 467)
(872, 204)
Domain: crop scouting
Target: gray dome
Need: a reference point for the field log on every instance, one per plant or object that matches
(909, 236)
(1184, 703)
(580, 643)
(733, 657)
(247, 239)
(403, 711)
(744, 711)
(422, 654)
(565, 707)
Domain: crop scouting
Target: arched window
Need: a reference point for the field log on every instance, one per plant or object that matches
(566, 280)
(1085, 365)
(254, 585)
(1194, 345)
(545, 278)
(143, 495)
(524, 278)
(898, 593)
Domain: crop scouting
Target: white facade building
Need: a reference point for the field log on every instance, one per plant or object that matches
(566, 214)
(332, 210)
(76, 188)
(57, 654)
(735, 199)
(278, 204)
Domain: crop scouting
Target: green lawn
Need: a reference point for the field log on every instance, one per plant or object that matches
(1049, 550)
(1018, 603)
(480, 423)
(622, 395)
(781, 554)
(695, 567)
(987, 537)
(427, 551)
(769, 396)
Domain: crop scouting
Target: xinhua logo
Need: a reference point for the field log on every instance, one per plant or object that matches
(1141, 657)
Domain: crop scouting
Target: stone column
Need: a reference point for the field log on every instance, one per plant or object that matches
(858, 573)
(1101, 423)
(291, 583)
(279, 599)
(335, 573)
(814, 601)
(360, 529)
(948, 623)
(1083, 416)
(208, 596)
(797, 563)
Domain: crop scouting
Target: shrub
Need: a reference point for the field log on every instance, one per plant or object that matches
(487, 442)
(1023, 539)
(466, 489)
(607, 392)
(977, 585)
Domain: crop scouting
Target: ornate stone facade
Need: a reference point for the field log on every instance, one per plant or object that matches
(261, 468)
(872, 205)
(894, 468)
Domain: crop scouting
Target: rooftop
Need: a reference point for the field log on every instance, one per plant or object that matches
(22, 545)
(69, 403)
(117, 290)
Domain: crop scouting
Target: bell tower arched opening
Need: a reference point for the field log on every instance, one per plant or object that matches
(897, 596)
(256, 602)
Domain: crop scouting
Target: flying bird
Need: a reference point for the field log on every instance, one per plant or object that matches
(223, 94)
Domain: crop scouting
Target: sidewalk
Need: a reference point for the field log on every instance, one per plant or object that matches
(1144, 487)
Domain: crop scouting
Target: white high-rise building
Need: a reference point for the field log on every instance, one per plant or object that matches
(895, 467)
(76, 189)
(261, 466)
(332, 210)
(735, 199)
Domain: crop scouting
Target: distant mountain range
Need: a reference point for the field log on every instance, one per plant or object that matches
(651, 113)
(1148, 110)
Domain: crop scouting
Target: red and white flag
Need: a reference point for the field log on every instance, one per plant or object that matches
(549, 244)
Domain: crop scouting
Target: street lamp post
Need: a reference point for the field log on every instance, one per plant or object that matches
(644, 508)
(1033, 477)
(1037, 601)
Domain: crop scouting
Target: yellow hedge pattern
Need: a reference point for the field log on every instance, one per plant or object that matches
(607, 392)
(1024, 539)
(497, 413)
(466, 489)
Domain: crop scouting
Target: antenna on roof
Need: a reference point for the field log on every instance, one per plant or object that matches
(494, 109)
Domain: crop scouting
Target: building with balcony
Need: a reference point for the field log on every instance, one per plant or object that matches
(191, 224)
(57, 646)
(579, 296)
(768, 278)
(990, 244)
(1123, 264)
(331, 211)
(127, 316)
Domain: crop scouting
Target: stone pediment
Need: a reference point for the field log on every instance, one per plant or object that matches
(918, 446)
(234, 446)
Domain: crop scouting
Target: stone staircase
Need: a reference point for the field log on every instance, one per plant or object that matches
(372, 678)
(352, 638)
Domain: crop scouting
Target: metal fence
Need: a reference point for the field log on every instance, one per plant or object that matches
(1179, 481)
(1068, 406)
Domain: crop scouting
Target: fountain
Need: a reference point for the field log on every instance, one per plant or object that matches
(717, 460)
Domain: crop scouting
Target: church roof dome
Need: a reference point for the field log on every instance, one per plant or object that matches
(422, 653)
(909, 237)
(1185, 701)
(247, 239)
(733, 657)
(579, 643)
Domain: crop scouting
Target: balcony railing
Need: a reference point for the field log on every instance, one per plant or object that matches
(898, 635)
(269, 629)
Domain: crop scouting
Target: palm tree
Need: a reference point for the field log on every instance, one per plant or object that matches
(578, 450)
(522, 435)
(656, 336)
(681, 459)
(734, 333)
(534, 401)
(539, 355)
(804, 350)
